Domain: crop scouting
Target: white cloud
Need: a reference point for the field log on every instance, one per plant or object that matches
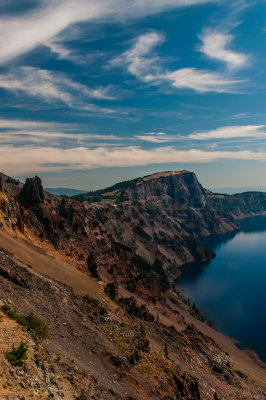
(215, 45)
(142, 63)
(223, 133)
(19, 35)
(155, 138)
(154, 133)
(23, 132)
(51, 86)
(73, 54)
(138, 58)
(58, 48)
(230, 132)
(58, 135)
(201, 81)
(31, 159)
(24, 124)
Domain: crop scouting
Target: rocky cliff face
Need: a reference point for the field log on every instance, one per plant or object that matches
(32, 194)
(140, 339)
(103, 349)
(182, 188)
(147, 227)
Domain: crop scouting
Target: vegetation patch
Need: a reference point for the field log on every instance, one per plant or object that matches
(30, 321)
(18, 355)
(131, 307)
(173, 300)
(111, 289)
(131, 341)
(82, 396)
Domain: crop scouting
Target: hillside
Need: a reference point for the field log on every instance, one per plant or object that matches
(59, 191)
(100, 276)
(163, 218)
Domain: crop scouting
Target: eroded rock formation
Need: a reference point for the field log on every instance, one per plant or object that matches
(32, 194)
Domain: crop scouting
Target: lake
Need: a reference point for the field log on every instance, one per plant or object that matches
(231, 290)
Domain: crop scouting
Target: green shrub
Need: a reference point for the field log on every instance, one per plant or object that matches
(111, 289)
(30, 321)
(178, 395)
(166, 351)
(18, 355)
(35, 324)
(173, 300)
(82, 396)
(142, 330)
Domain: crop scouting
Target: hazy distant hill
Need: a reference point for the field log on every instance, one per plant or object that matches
(64, 191)
(239, 189)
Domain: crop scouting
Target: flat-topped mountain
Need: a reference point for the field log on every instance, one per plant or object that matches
(182, 186)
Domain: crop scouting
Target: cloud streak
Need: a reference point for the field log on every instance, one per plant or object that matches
(38, 26)
(231, 132)
(202, 81)
(143, 64)
(30, 160)
(47, 134)
(52, 87)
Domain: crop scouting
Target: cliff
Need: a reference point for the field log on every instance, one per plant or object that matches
(99, 275)
(182, 188)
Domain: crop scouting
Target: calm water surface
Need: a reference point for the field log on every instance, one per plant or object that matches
(231, 290)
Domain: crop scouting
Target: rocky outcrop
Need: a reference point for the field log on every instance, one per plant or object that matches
(146, 231)
(181, 187)
(1, 184)
(32, 194)
(110, 353)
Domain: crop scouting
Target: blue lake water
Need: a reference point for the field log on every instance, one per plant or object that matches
(231, 290)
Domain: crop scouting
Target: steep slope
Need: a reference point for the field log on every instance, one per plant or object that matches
(106, 350)
(148, 227)
(162, 219)
(76, 265)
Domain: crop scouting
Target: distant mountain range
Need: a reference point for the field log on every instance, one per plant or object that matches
(59, 191)
(240, 189)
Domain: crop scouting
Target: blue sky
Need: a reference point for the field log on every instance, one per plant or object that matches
(98, 91)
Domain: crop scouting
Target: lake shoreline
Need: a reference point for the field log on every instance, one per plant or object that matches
(192, 274)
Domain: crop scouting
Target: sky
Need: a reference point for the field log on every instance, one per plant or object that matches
(94, 92)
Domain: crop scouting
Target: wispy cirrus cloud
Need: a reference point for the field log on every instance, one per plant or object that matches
(155, 138)
(62, 51)
(28, 147)
(223, 133)
(32, 159)
(25, 132)
(202, 81)
(141, 62)
(52, 87)
(231, 132)
(215, 45)
(139, 59)
(38, 25)
(28, 124)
